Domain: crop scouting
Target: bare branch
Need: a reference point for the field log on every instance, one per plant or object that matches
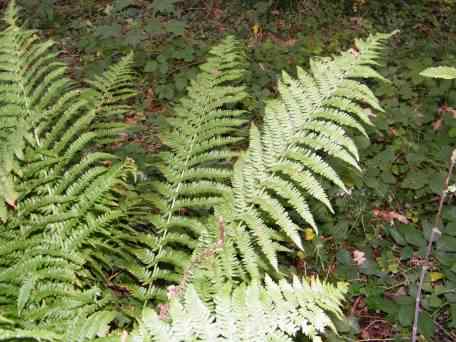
(435, 235)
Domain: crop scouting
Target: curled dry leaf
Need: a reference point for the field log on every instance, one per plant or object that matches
(282, 42)
(445, 109)
(389, 216)
(392, 132)
(359, 257)
(164, 311)
(437, 124)
(309, 234)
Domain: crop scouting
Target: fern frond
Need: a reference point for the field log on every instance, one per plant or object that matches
(276, 311)
(444, 72)
(56, 207)
(203, 130)
(287, 160)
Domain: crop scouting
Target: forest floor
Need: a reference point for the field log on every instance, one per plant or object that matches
(376, 241)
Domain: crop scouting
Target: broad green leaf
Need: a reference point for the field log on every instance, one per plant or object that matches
(415, 180)
(453, 316)
(405, 314)
(406, 253)
(164, 5)
(450, 229)
(447, 73)
(426, 325)
(412, 236)
(344, 257)
(153, 26)
(447, 243)
(119, 5)
(397, 237)
(175, 26)
(134, 37)
(109, 31)
(151, 66)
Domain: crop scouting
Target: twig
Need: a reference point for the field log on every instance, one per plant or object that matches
(435, 235)
(199, 259)
(377, 340)
(446, 332)
(177, 291)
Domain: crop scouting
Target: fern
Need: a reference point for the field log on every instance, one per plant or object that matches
(274, 312)
(284, 167)
(203, 130)
(290, 157)
(69, 245)
(58, 199)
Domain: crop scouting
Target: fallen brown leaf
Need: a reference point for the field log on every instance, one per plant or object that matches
(359, 257)
(389, 215)
(437, 124)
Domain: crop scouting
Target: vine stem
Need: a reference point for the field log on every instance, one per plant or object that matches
(435, 235)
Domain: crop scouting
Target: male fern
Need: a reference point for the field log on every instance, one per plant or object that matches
(276, 178)
(65, 230)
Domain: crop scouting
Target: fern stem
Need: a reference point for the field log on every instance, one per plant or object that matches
(170, 212)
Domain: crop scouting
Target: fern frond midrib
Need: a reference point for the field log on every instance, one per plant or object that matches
(172, 201)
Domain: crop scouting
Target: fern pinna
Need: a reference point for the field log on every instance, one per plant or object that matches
(60, 204)
(203, 130)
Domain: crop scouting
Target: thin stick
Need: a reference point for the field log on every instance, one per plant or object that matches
(207, 253)
(435, 235)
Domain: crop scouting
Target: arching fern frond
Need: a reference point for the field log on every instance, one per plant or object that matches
(305, 129)
(27, 70)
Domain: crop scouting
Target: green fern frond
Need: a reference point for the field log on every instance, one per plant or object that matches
(287, 160)
(444, 72)
(276, 311)
(58, 210)
(203, 130)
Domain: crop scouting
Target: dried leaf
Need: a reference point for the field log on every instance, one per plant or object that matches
(436, 276)
(359, 257)
(389, 215)
(256, 29)
(437, 124)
